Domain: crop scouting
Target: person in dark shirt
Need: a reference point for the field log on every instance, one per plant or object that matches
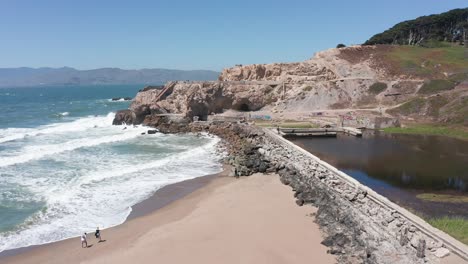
(97, 234)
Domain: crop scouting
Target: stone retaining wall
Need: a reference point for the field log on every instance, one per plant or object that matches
(360, 225)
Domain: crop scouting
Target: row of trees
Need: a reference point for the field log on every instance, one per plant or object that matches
(451, 26)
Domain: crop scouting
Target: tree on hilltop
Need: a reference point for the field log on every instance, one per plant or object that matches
(448, 26)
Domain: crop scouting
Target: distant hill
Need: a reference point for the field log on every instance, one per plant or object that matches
(13, 77)
(448, 26)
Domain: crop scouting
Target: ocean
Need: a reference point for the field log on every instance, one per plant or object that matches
(64, 169)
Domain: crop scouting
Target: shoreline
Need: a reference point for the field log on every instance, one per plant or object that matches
(226, 216)
(162, 197)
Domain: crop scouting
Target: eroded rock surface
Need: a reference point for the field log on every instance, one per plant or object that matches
(124, 117)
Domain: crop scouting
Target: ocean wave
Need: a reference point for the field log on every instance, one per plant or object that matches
(11, 134)
(103, 196)
(110, 100)
(36, 152)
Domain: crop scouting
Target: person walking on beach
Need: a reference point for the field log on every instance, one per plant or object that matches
(98, 234)
(84, 243)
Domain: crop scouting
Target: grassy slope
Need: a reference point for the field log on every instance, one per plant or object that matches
(443, 68)
(429, 62)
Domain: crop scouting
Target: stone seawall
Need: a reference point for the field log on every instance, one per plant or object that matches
(360, 225)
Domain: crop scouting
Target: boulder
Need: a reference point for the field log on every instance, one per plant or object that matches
(441, 252)
(124, 117)
(140, 113)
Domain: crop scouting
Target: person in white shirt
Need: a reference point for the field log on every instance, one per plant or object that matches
(84, 242)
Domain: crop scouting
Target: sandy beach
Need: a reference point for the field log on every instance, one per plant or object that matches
(228, 220)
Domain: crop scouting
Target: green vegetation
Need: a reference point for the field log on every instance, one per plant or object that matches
(459, 77)
(339, 46)
(454, 132)
(448, 26)
(307, 88)
(429, 62)
(458, 112)
(447, 108)
(434, 105)
(445, 198)
(457, 227)
(410, 107)
(435, 44)
(435, 86)
(454, 226)
(377, 87)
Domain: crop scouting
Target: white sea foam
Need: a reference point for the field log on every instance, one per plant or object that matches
(29, 153)
(116, 101)
(10, 134)
(91, 173)
(103, 191)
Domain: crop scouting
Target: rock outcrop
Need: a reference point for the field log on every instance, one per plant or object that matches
(284, 72)
(123, 117)
(199, 99)
(348, 78)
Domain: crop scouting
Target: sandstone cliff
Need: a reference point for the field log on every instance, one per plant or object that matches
(376, 79)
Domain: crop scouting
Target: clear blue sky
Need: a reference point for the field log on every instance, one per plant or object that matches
(191, 34)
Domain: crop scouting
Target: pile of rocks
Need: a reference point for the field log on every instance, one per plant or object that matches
(246, 155)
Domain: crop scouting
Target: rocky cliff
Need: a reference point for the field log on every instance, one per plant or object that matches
(383, 80)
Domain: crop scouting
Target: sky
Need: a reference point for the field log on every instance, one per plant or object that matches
(188, 35)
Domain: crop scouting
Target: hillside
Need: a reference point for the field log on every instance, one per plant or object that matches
(13, 77)
(426, 30)
(360, 86)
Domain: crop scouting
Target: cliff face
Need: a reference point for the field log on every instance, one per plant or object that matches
(203, 98)
(353, 78)
(324, 66)
(283, 72)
